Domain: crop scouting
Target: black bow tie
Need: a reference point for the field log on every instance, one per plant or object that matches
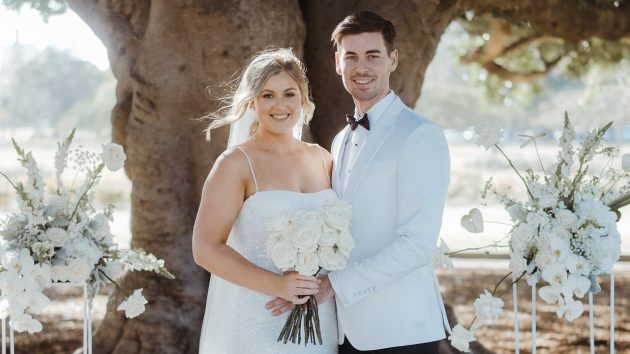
(364, 122)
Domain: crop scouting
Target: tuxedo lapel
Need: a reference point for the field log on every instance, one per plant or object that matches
(337, 160)
(378, 135)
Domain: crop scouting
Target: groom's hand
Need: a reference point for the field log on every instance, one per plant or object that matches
(326, 290)
(278, 306)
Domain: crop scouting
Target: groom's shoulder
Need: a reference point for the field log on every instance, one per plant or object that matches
(413, 120)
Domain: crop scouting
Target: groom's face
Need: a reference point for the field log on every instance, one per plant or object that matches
(365, 67)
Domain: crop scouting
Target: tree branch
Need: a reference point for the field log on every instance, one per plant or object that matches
(567, 19)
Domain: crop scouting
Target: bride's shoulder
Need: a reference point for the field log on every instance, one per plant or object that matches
(317, 149)
(233, 159)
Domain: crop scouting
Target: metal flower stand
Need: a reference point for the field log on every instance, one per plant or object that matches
(87, 323)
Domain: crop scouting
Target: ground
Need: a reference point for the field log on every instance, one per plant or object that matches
(63, 327)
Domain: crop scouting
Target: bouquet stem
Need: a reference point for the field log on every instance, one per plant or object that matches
(305, 313)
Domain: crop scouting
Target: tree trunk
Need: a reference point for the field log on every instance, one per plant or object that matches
(164, 54)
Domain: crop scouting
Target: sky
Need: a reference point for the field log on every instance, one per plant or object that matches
(67, 31)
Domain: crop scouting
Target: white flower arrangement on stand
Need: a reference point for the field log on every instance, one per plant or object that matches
(61, 238)
(307, 242)
(564, 234)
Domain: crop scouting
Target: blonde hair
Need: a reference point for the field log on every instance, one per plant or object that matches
(264, 65)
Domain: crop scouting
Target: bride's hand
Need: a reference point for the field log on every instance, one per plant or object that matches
(292, 287)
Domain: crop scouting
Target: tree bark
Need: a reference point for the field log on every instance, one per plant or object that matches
(164, 54)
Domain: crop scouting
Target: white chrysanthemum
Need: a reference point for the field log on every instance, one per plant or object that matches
(488, 134)
(133, 305)
(487, 307)
(113, 156)
(461, 338)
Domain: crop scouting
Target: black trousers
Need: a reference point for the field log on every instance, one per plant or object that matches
(423, 348)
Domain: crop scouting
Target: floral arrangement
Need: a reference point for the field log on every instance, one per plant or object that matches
(307, 242)
(564, 234)
(61, 238)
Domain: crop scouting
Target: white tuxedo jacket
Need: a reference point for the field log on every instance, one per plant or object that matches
(388, 295)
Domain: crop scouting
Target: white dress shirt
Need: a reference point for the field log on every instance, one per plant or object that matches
(357, 137)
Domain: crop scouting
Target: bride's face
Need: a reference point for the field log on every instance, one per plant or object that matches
(279, 104)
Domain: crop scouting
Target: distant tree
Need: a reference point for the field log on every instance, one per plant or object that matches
(46, 86)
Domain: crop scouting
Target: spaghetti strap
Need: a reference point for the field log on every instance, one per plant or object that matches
(321, 150)
(251, 167)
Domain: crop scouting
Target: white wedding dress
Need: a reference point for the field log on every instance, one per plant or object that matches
(236, 321)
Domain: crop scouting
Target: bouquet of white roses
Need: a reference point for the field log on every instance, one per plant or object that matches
(565, 232)
(307, 242)
(62, 238)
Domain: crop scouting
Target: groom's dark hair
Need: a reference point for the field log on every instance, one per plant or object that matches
(365, 22)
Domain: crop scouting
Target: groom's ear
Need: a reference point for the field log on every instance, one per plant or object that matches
(393, 60)
(337, 69)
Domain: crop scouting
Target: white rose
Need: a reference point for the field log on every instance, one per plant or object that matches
(305, 236)
(346, 242)
(337, 214)
(331, 260)
(307, 263)
(328, 237)
(57, 236)
(113, 156)
(79, 270)
(133, 305)
(278, 223)
(284, 255)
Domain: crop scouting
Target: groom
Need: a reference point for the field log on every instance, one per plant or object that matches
(392, 166)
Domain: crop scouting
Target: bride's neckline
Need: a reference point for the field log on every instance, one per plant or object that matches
(285, 191)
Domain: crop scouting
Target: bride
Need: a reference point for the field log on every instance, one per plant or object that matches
(266, 170)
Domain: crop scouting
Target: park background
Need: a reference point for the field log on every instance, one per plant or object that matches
(55, 75)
